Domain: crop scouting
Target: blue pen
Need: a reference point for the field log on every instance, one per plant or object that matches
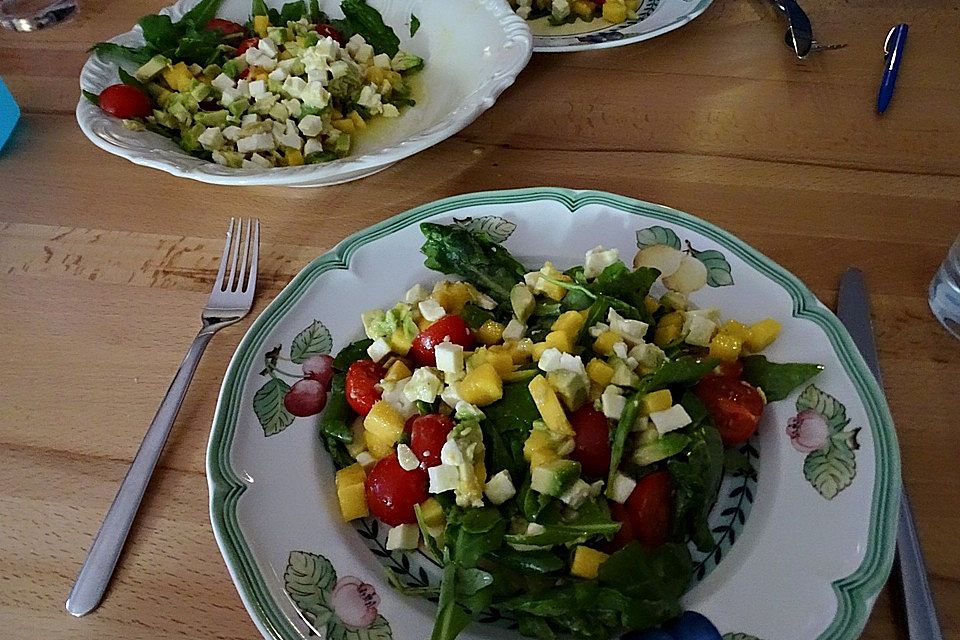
(893, 50)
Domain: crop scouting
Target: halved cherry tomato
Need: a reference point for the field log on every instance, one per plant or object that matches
(591, 441)
(650, 507)
(427, 435)
(625, 533)
(226, 27)
(392, 492)
(360, 385)
(729, 369)
(736, 407)
(324, 30)
(124, 101)
(246, 44)
(449, 327)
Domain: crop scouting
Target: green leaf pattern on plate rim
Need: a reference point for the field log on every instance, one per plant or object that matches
(344, 609)
(718, 268)
(739, 636)
(495, 228)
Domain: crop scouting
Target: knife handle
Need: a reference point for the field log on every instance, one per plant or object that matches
(922, 623)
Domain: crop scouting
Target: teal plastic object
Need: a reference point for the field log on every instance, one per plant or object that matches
(9, 113)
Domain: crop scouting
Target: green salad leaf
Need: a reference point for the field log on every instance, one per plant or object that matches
(368, 22)
(777, 380)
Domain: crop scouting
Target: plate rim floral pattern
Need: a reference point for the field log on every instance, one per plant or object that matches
(854, 593)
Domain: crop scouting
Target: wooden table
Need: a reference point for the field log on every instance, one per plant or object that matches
(105, 265)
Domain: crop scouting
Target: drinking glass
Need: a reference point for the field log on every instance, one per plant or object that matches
(32, 15)
(945, 291)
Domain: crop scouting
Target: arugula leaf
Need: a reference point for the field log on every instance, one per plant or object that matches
(618, 281)
(696, 478)
(201, 47)
(351, 353)
(200, 15)
(316, 16)
(336, 419)
(160, 32)
(777, 380)
(485, 264)
(452, 618)
(474, 315)
(652, 574)
(259, 8)
(293, 11)
(592, 520)
(414, 25)
(140, 55)
(538, 562)
(91, 96)
(126, 78)
(368, 22)
(685, 370)
(624, 426)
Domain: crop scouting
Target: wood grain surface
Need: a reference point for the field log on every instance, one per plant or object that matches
(104, 266)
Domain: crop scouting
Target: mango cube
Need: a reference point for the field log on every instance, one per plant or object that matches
(656, 401)
(599, 372)
(260, 25)
(482, 386)
(570, 322)
(549, 406)
(586, 561)
(668, 329)
(384, 421)
(559, 340)
(762, 334)
(604, 343)
(353, 501)
(358, 443)
(398, 371)
(378, 446)
(490, 332)
(178, 76)
(353, 474)
(432, 514)
(452, 296)
(736, 329)
(726, 346)
(549, 289)
(614, 13)
(540, 457)
(583, 9)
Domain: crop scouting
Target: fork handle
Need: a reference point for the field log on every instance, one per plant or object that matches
(102, 558)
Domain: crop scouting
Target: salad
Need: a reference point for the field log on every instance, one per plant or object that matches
(288, 88)
(554, 440)
(560, 12)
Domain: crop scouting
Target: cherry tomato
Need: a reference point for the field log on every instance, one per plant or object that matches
(448, 327)
(650, 507)
(124, 101)
(324, 30)
(360, 385)
(392, 492)
(427, 435)
(243, 74)
(728, 369)
(226, 27)
(591, 441)
(246, 44)
(623, 535)
(735, 405)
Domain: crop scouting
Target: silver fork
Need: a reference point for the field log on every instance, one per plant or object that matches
(230, 300)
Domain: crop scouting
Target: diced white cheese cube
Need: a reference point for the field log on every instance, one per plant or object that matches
(363, 54)
(311, 125)
(279, 112)
(339, 68)
(318, 75)
(256, 161)
(549, 360)
(620, 349)
(315, 95)
(632, 331)
(450, 453)
(378, 350)
(671, 419)
(598, 259)
(268, 47)
(514, 330)
(393, 395)
(449, 357)
(424, 385)
(612, 402)
(451, 396)
(249, 119)
(312, 145)
(257, 88)
(293, 107)
(211, 139)
(243, 86)
(219, 158)
(390, 111)
(381, 60)
(431, 310)
(231, 133)
(648, 355)
(294, 86)
(223, 82)
(403, 536)
(535, 529)
(560, 9)
(257, 58)
(622, 487)
(500, 488)
(711, 313)
(531, 279)
(486, 302)
(354, 43)
(415, 294)
(370, 98)
(365, 460)
(573, 363)
(279, 74)
(407, 458)
(229, 96)
(576, 495)
(256, 142)
(597, 329)
(287, 64)
(698, 329)
(524, 11)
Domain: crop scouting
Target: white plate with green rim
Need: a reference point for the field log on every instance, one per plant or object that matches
(653, 18)
(801, 551)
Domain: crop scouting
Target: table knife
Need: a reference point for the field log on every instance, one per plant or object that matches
(853, 309)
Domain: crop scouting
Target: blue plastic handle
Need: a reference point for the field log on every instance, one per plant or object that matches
(9, 113)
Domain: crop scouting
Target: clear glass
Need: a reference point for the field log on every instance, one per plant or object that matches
(33, 15)
(945, 291)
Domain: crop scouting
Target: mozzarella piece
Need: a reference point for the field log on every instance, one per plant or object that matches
(390, 111)
(416, 294)
(378, 350)
(365, 460)
(632, 331)
(514, 330)
(431, 310)
(500, 488)
(622, 487)
(223, 82)
(449, 357)
(676, 417)
(450, 453)
(612, 402)
(576, 495)
(443, 477)
(311, 125)
(407, 458)
(598, 259)
(403, 536)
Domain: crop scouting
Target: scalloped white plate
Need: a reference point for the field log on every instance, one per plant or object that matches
(800, 554)
(473, 50)
(655, 18)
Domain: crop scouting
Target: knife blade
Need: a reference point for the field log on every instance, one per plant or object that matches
(853, 309)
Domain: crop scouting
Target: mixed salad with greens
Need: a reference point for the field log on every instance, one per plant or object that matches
(560, 12)
(288, 88)
(554, 440)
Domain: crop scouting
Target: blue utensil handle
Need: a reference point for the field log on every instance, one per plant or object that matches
(896, 41)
